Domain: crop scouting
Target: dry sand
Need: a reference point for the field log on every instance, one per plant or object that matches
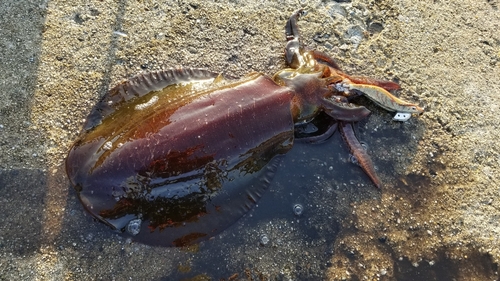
(436, 218)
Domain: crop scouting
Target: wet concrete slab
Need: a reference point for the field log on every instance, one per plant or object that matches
(435, 219)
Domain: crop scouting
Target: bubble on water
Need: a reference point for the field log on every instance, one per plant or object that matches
(134, 226)
(264, 239)
(298, 209)
(353, 159)
(364, 145)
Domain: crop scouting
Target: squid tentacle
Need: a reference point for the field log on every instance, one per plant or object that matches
(293, 49)
(359, 152)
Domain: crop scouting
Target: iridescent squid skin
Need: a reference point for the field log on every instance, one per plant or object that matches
(176, 156)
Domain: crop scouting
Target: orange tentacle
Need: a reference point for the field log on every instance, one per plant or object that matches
(359, 152)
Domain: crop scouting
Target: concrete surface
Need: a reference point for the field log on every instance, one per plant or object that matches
(437, 217)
